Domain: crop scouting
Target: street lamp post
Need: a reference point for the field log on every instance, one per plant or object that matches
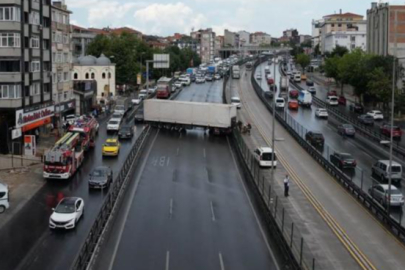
(273, 139)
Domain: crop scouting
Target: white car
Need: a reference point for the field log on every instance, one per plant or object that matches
(71, 118)
(143, 91)
(376, 114)
(332, 100)
(200, 80)
(116, 116)
(259, 76)
(178, 84)
(136, 101)
(321, 113)
(113, 125)
(4, 199)
(152, 90)
(217, 77)
(142, 96)
(280, 103)
(236, 101)
(67, 213)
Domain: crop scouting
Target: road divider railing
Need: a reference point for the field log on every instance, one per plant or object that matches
(114, 195)
(361, 128)
(298, 132)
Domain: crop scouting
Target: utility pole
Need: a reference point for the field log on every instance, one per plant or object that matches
(273, 138)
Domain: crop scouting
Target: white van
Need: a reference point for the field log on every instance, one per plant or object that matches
(263, 155)
(332, 100)
(297, 77)
(381, 169)
(4, 198)
(280, 103)
(236, 101)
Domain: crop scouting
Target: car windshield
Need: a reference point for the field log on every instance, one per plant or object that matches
(267, 156)
(65, 207)
(235, 99)
(111, 144)
(98, 173)
(280, 100)
(333, 98)
(125, 129)
(395, 192)
(113, 122)
(346, 156)
(396, 169)
(116, 115)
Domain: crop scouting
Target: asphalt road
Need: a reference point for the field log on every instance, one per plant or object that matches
(361, 151)
(28, 243)
(187, 207)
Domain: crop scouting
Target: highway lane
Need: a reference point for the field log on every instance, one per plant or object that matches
(190, 209)
(365, 156)
(28, 243)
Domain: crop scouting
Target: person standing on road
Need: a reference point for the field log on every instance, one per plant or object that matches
(286, 185)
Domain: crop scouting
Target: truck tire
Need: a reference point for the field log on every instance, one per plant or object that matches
(2, 209)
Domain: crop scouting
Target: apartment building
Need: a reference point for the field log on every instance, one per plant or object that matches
(81, 37)
(62, 87)
(260, 38)
(231, 39)
(25, 69)
(316, 32)
(244, 37)
(206, 39)
(343, 29)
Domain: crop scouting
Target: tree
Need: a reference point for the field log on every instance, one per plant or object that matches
(331, 67)
(379, 85)
(303, 60)
(317, 50)
(339, 51)
(99, 45)
(351, 70)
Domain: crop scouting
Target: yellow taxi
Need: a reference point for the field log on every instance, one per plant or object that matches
(111, 147)
(303, 77)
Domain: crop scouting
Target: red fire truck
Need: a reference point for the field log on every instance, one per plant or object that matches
(87, 127)
(63, 160)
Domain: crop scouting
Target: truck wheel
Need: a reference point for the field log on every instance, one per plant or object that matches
(2, 209)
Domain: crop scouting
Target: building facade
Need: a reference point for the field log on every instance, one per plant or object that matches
(81, 37)
(383, 34)
(231, 39)
(219, 44)
(62, 85)
(244, 37)
(25, 69)
(260, 39)
(100, 70)
(206, 39)
(316, 32)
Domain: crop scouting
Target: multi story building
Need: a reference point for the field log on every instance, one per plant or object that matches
(62, 87)
(244, 37)
(206, 39)
(219, 44)
(343, 29)
(260, 38)
(231, 39)
(316, 32)
(81, 37)
(186, 42)
(25, 69)
(386, 30)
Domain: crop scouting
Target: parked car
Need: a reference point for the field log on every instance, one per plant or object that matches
(321, 113)
(303, 77)
(342, 100)
(101, 177)
(376, 114)
(178, 84)
(136, 101)
(315, 138)
(67, 213)
(312, 90)
(236, 101)
(293, 93)
(366, 119)
(273, 87)
(332, 100)
(111, 147)
(332, 93)
(347, 130)
(385, 129)
(309, 82)
(126, 132)
(381, 193)
(142, 96)
(280, 103)
(264, 156)
(381, 169)
(4, 198)
(356, 107)
(343, 160)
(116, 116)
(293, 104)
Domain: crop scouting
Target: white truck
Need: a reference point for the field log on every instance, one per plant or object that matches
(284, 83)
(305, 98)
(218, 118)
(122, 105)
(235, 72)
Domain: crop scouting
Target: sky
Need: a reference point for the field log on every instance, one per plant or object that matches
(166, 17)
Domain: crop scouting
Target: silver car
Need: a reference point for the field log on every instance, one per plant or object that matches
(380, 193)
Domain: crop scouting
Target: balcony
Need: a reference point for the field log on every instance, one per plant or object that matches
(36, 53)
(12, 52)
(10, 76)
(47, 55)
(10, 103)
(45, 33)
(11, 2)
(11, 26)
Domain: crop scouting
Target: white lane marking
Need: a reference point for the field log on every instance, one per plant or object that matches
(167, 260)
(251, 207)
(128, 205)
(204, 153)
(177, 151)
(171, 207)
(212, 211)
(221, 261)
(168, 161)
(208, 177)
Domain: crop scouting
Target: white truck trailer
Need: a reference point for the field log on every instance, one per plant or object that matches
(235, 72)
(218, 118)
(284, 83)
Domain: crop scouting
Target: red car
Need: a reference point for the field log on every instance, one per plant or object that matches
(332, 93)
(385, 129)
(342, 100)
(293, 105)
(270, 81)
(293, 93)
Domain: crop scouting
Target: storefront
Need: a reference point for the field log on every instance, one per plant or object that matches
(62, 110)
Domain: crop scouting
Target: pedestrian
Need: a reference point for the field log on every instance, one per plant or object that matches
(286, 185)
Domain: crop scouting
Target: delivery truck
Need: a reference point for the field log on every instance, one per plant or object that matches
(284, 83)
(305, 98)
(122, 105)
(217, 118)
(164, 87)
(235, 72)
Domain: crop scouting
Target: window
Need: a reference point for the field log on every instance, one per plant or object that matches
(10, 40)
(65, 95)
(35, 89)
(65, 39)
(87, 75)
(109, 75)
(103, 75)
(10, 91)
(65, 76)
(339, 25)
(10, 66)
(58, 77)
(54, 15)
(10, 14)
(47, 88)
(65, 58)
(34, 18)
(75, 76)
(57, 37)
(35, 66)
(45, 44)
(92, 75)
(333, 25)
(35, 42)
(54, 57)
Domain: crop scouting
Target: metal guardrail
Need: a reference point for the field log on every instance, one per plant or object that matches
(114, 194)
(375, 208)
